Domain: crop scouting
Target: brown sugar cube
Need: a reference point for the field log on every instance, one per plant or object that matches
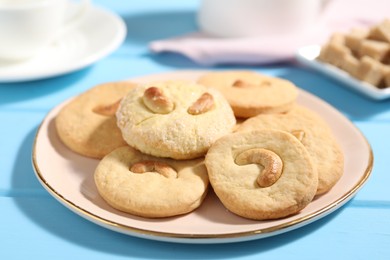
(360, 31)
(354, 38)
(375, 49)
(334, 53)
(324, 53)
(386, 77)
(381, 32)
(370, 71)
(386, 59)
(337, 38)
(350, 64)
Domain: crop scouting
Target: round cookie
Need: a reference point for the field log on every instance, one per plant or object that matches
(250, 93)
(260, 175)
(314, 134)
(87, 124)
(148, 186)
(239, 121)
(174, 119)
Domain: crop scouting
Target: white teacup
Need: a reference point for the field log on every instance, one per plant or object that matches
(253, 18)
(28, 26)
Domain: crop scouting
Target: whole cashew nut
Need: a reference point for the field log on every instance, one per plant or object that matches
(244, 84)
(154, 166)
(273, 165)
(155, 100)
(107, 110)
(204, 104)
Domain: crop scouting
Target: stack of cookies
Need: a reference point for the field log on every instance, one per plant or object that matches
(364, 53)
(161, 144)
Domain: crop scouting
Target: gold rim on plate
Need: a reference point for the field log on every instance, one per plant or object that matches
(207, 238)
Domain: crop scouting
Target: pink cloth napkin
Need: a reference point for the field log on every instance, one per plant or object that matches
(339, 15)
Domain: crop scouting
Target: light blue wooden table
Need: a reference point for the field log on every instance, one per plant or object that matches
(33, 225)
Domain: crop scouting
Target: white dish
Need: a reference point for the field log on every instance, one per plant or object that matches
(307, 55)
(98, 34)
(69, 178)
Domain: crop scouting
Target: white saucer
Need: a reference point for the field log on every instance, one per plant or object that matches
(99, 34)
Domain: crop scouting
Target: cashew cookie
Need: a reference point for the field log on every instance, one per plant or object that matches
(148, 186)
(260, 175)
(87, 124)
(174, 119)
(250, 93)
(315, 135)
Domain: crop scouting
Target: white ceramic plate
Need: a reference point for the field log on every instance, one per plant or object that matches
(307, 55)
(69, 178)
(98, 34)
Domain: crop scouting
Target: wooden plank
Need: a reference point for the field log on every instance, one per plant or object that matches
(376, 188)
(43, 228)
(16, 140)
